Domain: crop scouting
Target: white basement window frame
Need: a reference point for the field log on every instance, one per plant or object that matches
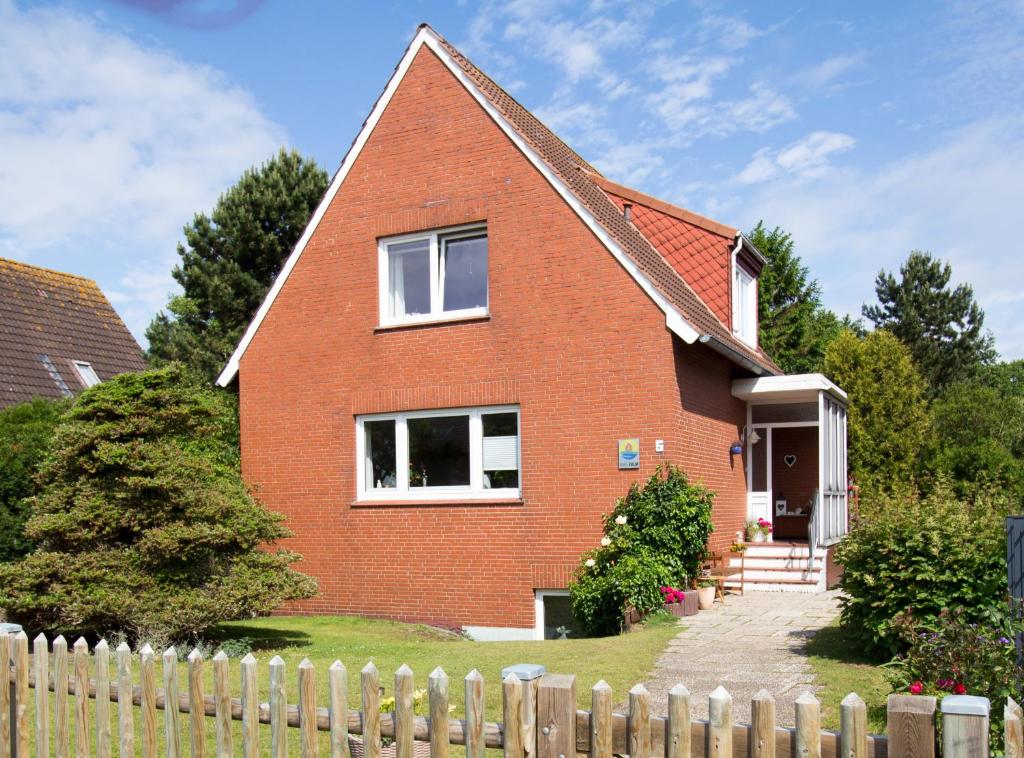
(86, 373)
(744, 305)
(393, 301)
(493, 453)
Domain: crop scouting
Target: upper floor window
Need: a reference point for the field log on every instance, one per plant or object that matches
(439, 455)
(86, 373)
(744, 306)
(433, 276)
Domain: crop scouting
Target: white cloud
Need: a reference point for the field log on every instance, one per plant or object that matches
(110, 147)
(824, 75)
(959, 199)
(807, 157)
(730, 32)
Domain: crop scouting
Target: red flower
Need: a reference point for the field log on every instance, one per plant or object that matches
(916, 688)
(959, 689)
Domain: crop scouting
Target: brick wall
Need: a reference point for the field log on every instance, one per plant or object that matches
(570, 338)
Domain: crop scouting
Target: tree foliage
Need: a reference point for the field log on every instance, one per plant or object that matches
(143, 523)
(657, 535)
(25, 432)
(888, 414)
(941, 325)
(229, 260)
(924, 555)
(795, 328)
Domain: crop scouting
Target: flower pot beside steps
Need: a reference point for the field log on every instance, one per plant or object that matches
(706, 597)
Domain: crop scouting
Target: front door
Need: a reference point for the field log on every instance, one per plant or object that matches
(759, 473)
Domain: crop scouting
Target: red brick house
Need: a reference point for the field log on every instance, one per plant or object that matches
(438, 385)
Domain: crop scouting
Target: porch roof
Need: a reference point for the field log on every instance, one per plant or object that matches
(793, 388)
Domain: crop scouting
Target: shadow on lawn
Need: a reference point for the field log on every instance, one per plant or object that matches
(261, 638)
(834, 643)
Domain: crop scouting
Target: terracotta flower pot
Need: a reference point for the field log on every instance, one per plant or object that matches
(706, 597)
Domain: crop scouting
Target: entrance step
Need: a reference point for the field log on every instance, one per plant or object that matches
(779, 567)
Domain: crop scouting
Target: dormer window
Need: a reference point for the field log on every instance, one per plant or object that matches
(433, 276)
(86, 373)
(744, 305)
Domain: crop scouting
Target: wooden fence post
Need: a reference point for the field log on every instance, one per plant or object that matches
(337, 682)
(965, 726)
(808, 726)
(310, 741)
(61, 727)
(601, 727)
(853, 723)
(719, 734)
(147, 680)
(556, 716)
(403, 719)
(21, 693)
(529, 674)
(172, 737)
(910, 726)
(196, 704)
(250, 707)
(278, 708)
(102, 709)
(639, 722)
(41, 666)
(762, 725)
(437, 694)
(1013, 729)
(6, 698)
(125, 706)
(678, 734)
(512, 716)
(369, 680)
(474, 685)
(222, 700)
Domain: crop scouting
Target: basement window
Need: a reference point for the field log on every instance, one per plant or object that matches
(433, 276)
(439, 455)
(86, 373)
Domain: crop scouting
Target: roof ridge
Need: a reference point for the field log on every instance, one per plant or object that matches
(663, 206)
(33, 267)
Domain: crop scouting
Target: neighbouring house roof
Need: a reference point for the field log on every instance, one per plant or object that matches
(48, 320)
(584, 189)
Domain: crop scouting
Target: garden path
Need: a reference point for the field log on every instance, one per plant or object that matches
(753, 641)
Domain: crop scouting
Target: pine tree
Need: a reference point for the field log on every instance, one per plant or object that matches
(941, 325)
(229, 260)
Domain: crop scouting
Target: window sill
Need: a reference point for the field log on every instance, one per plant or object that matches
(437, 321)
(437, 503)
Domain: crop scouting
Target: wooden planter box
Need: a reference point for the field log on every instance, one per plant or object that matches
(686, 608)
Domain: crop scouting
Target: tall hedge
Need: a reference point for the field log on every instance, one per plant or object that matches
(924, 555)
(143, 522)
(25, 433)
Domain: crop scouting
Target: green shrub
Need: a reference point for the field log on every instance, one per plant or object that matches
(953, 656)
(25, 433)
(143, 523)
(924, 555)
(656, 536)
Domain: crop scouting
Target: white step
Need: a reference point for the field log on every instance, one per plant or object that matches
(782, 575)
(770, 550)
(779, 562)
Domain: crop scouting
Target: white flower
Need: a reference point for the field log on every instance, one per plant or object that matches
(620, 520)
(590, 563)
(606, 541)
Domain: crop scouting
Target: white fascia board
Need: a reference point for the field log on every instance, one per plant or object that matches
(674, 320)
(764, 388)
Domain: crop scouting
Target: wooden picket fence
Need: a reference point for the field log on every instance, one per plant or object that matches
(540, 718)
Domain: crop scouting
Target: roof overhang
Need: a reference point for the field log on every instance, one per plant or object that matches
(794, 388)
(427, 37)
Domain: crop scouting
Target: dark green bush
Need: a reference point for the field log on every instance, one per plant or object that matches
(924, 555)
(143, 523)
(656, 536)
(25, 433)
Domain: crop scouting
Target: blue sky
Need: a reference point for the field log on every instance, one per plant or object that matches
(865, 129)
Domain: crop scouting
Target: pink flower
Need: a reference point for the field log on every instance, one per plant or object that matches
(959, 689)
(943, 684)
(916, 688)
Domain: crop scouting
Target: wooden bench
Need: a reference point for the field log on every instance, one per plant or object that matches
(718, 568)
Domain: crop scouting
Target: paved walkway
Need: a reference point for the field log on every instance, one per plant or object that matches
(755, 640)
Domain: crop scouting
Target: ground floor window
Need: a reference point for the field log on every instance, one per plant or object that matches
(554, 619)
(443, 454)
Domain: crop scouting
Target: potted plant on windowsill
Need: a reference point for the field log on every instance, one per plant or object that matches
(705, 593)
(678, 602)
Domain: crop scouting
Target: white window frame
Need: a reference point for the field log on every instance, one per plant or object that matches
(86, 373)
(475, 490)
(744, 305)
(437, 312)
(538, 609)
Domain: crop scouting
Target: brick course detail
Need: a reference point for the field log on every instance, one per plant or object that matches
(571, 339)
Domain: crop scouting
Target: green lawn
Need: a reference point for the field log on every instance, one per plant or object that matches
(841, 669)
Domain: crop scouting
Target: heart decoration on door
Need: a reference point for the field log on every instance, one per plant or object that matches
(789, 460)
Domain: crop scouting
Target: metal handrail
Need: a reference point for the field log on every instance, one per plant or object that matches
(812, 528)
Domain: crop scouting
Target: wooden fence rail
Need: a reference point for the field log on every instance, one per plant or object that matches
(540, 718)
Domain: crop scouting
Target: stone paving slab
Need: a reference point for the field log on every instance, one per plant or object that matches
(751, 642)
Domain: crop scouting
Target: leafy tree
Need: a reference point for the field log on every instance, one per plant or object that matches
(25, 433)
(942, 326)
(795, 328)
(888, 414)
(230, 259)
(143, 523)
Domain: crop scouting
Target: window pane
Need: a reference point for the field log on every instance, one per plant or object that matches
(380, 454)
(409, 274)
(465, 273)
(501, 450)
(439, 451)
